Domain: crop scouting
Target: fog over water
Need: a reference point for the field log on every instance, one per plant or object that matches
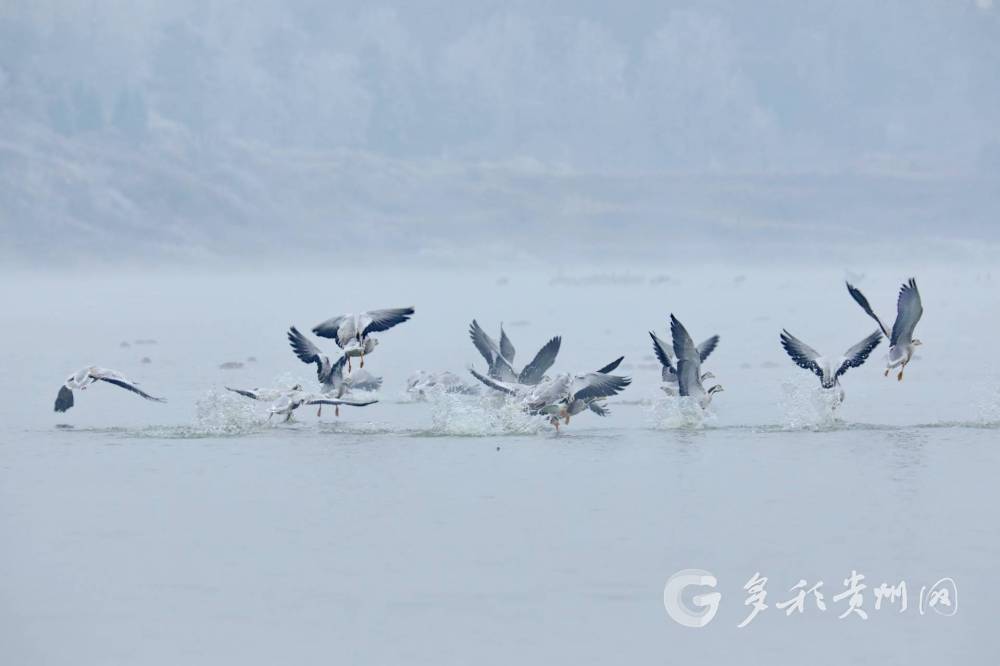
(181, 182)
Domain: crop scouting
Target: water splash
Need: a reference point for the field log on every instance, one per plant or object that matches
(480, 416)
(679, 413)
(809, 407)
(225, 413)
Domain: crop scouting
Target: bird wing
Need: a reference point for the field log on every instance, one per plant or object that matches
(382, 320)
(611, 367)
(596, 385)
(310, 353)
(340, 401)
(503, 371)
(546, 356)
(331, 329)
(486, 345)
(669, 372)
(64, 400)
(599, 409)
(802, 354)
(494, 384)
(112, 377)
(684, 348)
(908, 312)
(550, 392)
(706, 348)
(689, 377)
(506, 346)
(860, 299)
(858, 354)
(246, 394)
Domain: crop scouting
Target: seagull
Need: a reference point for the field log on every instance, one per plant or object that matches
(287, 404)
(689, 357)
(89, 375)
(908, 312)
(330, 375)
(352, 331)
(287, 401)
(829, 373)
(565, 395)
(500, 357)
(669, 372)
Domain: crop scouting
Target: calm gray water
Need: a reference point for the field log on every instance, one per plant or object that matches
(453, 532)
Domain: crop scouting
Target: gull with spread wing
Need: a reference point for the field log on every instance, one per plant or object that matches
(688, 370)
(500, 357)
(909, 309)
(90, 375)
(352, 332)
(829, 370)
(565, 395)
(668, 373)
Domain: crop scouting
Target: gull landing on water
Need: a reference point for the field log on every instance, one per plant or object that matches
(87, 376)
(909, 309)
(689, 376)
(330, 375)
(829, 373)
(285, 402)
(500, 357)
(566, 395)
(351, 331)
(668, 375)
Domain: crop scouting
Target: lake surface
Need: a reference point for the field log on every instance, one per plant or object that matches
(460, 531)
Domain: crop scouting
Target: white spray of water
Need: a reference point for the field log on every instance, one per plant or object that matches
(811, 407)
(679, 413)
(480, 416)
(225, 413)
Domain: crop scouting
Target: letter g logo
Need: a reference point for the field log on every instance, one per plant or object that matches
(680, 612)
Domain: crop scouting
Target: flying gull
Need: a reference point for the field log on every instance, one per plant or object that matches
(668, 373)
(500, 357)
(565, 395)
(87, 376)
(689, 377)
(285, 402)
(352, 331)
(829, 373)
(330, 374)
(908, 312)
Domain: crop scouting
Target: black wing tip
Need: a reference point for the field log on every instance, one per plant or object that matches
(64, 400)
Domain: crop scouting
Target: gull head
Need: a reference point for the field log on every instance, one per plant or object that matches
(916, 343)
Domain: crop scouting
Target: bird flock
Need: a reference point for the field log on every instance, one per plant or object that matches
(556, 398)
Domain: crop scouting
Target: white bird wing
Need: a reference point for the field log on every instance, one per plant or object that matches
(595, 385)
(546, 356)
(264, 395)
(802, 354)
(116, 378)
(706, 348)
(550, 392)
(496, 385)
(859, 353)
(669, 372)
(909, 309)
(688, 360)
(331, 328)
(307, 352)
(376, 321)
(486, 345)
(506, 346)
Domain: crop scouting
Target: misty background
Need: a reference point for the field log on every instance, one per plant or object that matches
(186, 132)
